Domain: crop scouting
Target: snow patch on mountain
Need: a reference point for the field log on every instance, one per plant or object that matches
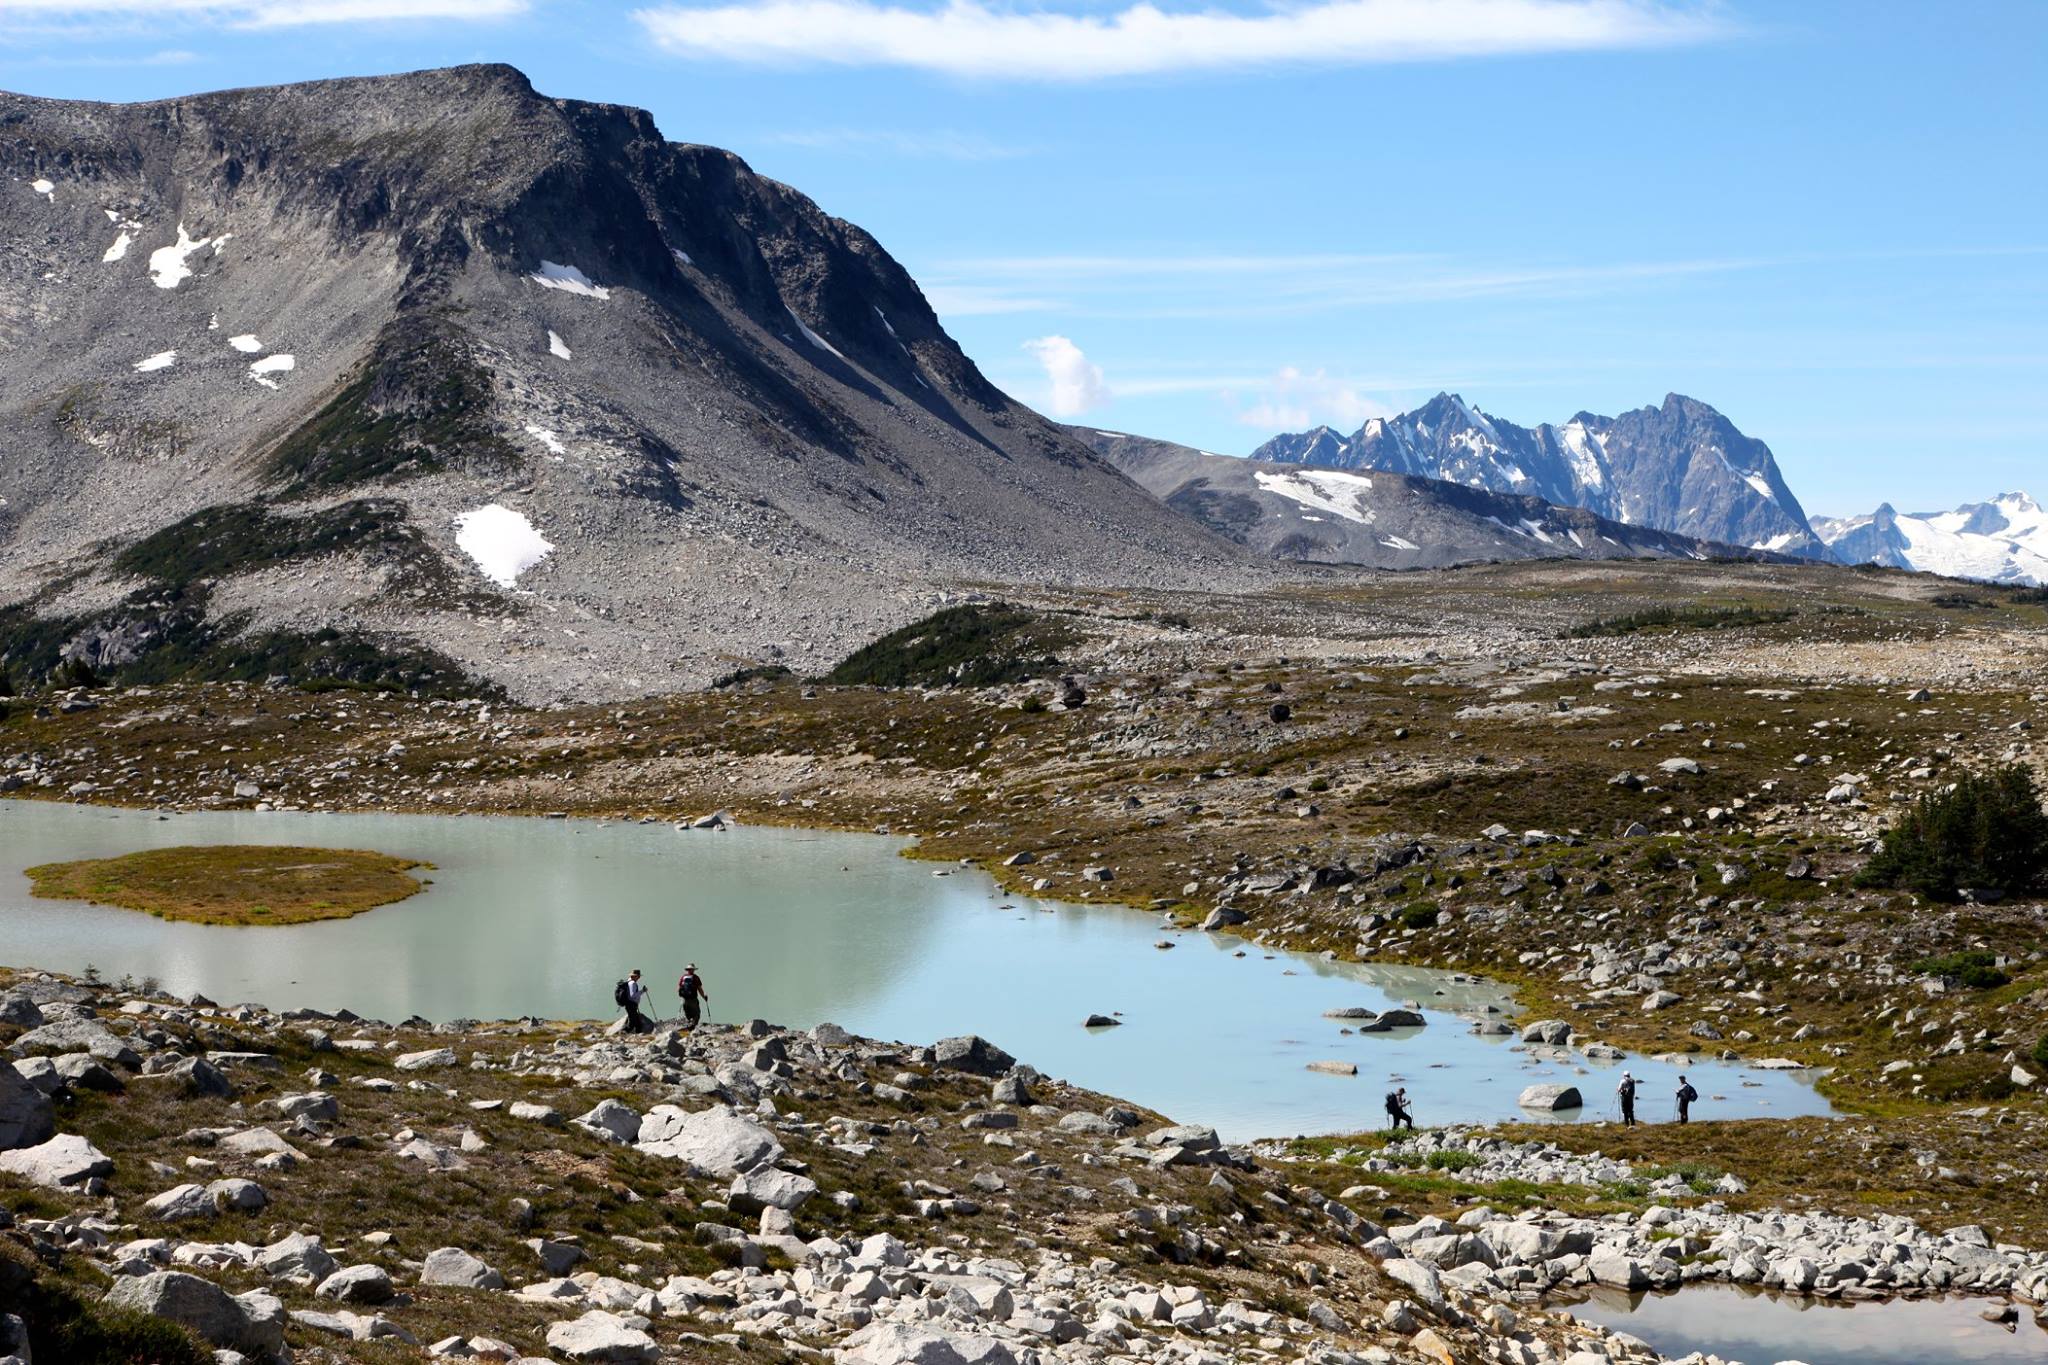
(568, 279)
(2001, 541)
(168, 266)
(503, 542)
(1326, 490)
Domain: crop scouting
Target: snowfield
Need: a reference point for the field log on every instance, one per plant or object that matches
(1326, 490)
(568, 279)
(162, 360)
(558, 347)
(503, 542)
(167, 264)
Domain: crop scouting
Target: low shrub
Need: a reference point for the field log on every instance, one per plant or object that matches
(1978, 970)
(1681, 618)
(969, 646)
(1987, 832)
(1420, 915)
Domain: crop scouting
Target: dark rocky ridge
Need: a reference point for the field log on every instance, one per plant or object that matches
(762, 443)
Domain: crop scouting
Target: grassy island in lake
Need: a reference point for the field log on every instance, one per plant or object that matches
(235, 883)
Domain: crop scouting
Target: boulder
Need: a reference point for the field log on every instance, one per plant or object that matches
(357, 1284)
(972, 1054)
(20, 1011)
(1554, 1032)
(1616, 1269)
(78, 1035)
(296, 1257)
(179, 1203)
(63, 1161)
(1334, 1068)
(1101, 1021)
(1550, 1098)
(769, 1188)
(205, 1309)
(715, 1141)
(426, 1060)
(898, 1343)
(26, 1115)
(612, 1121)
(601, 1336)
(454, 1266)
(1224, 917)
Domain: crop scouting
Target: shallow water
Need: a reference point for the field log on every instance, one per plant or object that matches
(1762, 1329)
(540, 917)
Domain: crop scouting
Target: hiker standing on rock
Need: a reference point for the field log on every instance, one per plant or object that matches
(1397, 1110)
(1686, 1095)
(1627, 1093)
(629, 994)
(690, 987)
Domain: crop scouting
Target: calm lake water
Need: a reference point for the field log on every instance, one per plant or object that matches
(540, 917)
(1762, 1329)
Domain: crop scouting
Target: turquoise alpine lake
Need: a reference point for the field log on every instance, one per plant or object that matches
(541, 917)
(1757, 1328)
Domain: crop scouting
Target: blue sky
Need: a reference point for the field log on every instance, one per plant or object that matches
(1210, 222)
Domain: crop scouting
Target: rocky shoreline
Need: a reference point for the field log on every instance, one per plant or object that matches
(1541, 1254)
(309, 1187)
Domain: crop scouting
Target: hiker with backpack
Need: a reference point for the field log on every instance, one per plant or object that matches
(690, 987)
(627, 995)
(1686, 1095)
(1626, 1091)
(1397, 1109)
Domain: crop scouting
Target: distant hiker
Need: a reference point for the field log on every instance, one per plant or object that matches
(1686, 1095)
(690, 987)
(1627, 1092)
(1397, 1109)
(627, 995)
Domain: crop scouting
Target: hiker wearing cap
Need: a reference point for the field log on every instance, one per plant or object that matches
(1686, 1095)
(690, 987)
(630, 993)
(1397, 1109)
(1627, 1092)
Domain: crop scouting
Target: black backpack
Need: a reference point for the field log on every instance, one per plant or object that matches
(1393, 1102)
(1687, 1093)
(620, 995)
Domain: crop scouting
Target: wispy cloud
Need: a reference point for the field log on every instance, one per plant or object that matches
(961, 300)
(1166, 286)
(1076, 383)
(1293, 399)
(967, 38)
(21, 15)
(164, 57)
(932, 145)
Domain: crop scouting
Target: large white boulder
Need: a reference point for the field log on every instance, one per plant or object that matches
(715, 1141)
(65, 1160)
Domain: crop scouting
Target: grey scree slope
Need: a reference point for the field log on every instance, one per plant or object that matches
(761, 443)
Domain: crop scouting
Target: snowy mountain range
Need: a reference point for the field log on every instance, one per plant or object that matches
(2001, 541)
(1680, 467)
(1375, 518)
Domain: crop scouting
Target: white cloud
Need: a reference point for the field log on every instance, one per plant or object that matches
(1294, 400)
(1076, 381)
(967, 38)
(249, 14)
(936, 144)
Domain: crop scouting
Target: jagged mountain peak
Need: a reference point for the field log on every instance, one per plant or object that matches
(1680, 466)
